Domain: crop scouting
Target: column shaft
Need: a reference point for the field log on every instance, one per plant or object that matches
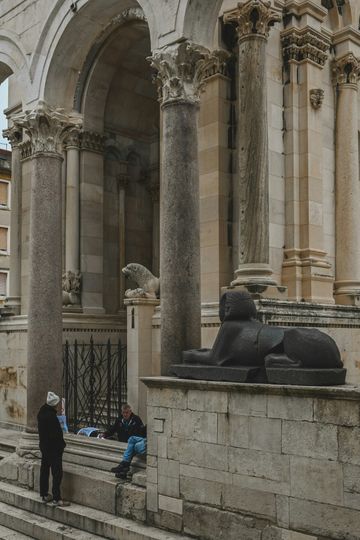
(179, 233)
(14, 299)
(44, 368)
(122, 241)
(72, 241)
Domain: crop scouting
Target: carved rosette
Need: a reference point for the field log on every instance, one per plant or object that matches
(181, 71)
(93, 141)
(346, 70)
(253, 18)
(13, 135)
(303, 44)
(45, 127)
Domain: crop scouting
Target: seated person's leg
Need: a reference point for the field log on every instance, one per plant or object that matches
(140, 446)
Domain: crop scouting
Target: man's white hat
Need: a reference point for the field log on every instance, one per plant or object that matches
(52, 399)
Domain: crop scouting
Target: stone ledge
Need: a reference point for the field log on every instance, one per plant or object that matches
(346, 391)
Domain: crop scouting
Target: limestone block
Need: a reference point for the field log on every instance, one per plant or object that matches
(211, 456)
(213, 524)
(167, 520)
(131, 502)
(290, 408)
(201, 491)
(169, 486)
(265, 434)
(162, 446)
(152, 497)
(309, 439)
(159, 413)
(171, 504)
(151, 461)
(233, 430)
(168, 467)
(206, 474)
(261, 484)
(167, 397)
(207, 401)
(252, 501)
(151, 475)
(324, 519)
(316, 480)
(341, 412)
(349, 445)
(259, 464)
(282, 511)
(158, 425)
(152, 444)
(248, 404)
(351, 478)
(198, 426)
(274, 533)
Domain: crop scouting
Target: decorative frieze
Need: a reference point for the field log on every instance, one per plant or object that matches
(182, 69)
(253, 18)
(346, 70)
(45, 126)
(316, 96)
(304, 44)
(93, 141)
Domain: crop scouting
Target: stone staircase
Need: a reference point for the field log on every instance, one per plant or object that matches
(22, 511)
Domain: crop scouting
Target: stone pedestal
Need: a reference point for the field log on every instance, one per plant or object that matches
(251, 194)
(139, 350)
(13, 302)
(179, 91)
(347, 196)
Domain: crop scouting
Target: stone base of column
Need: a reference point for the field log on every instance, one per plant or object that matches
(307, 276)
(28, 446)
(13, 304)
(257, 279)
(347, 293)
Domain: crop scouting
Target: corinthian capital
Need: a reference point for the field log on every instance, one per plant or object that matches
(182, 69)
(45, 126)
(252, 18)
(346, 70)
(13, 135)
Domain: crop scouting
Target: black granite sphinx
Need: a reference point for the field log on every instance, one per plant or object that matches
(246, 350)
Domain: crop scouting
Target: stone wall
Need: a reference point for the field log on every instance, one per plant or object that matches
(253, 462)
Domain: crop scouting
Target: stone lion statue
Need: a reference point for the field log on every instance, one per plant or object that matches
(71, 286)
(148, 284)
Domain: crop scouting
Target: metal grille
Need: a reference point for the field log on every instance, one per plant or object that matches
(94, 383)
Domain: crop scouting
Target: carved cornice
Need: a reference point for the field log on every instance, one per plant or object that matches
(346, 69)
(13, 135)
(306, 7)
(45, 127)
(93, 141)
(182, 69)
(253, 18)
(304, 44)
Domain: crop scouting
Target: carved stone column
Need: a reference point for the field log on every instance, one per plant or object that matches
(45, 127)
(347, 190)
(123, 180)
(71, 277)
(181, 71)
(154, 189)
(253, 20)
(14, 135)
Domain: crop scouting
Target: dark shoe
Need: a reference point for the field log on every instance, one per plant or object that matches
(122, 474)
(116, 469)
(123, 466)
(47, 498)
(60, 503)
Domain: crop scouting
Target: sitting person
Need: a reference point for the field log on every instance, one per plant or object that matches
(136, 445)
(128, 425)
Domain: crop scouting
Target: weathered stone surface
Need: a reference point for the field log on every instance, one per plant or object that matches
(316, 480)
(248, 404)
(168, 467)
(167, 520)
(256, 502)
(290, 408)
(198, 454)
(343, 413)
(163, 397)
(201, 491)
(349, 445)
(282, 511)
(213, 524)
(171, 504)
(198, 426)
(233, 430)
(203, 473)
(210, 402)
(259, 483)
(265, 434)
(168, 486)
(310, 439)
(260, 464)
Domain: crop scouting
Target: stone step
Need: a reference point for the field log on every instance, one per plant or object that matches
(38, 527)
(139, 479)
(101, 524)
(10, 534)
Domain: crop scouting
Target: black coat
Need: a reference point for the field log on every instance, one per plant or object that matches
(127, 428)
(50, 432)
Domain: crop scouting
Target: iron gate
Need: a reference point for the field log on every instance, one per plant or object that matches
(94, 383)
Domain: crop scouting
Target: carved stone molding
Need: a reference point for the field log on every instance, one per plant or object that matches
(182, 69)
(72, 139)
(346, 70)
(253, 18)
(93, 141)
(304, 44)
(316, 96)
(45, 126)
(25, 149)
(14, 136)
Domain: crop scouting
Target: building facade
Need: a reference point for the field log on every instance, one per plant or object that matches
(239, 167)
(5, 194)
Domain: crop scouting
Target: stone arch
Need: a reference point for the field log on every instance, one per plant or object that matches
(12, 56)
(58, 56)
(200, 18)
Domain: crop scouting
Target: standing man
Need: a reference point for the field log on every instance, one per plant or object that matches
(52, 446)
